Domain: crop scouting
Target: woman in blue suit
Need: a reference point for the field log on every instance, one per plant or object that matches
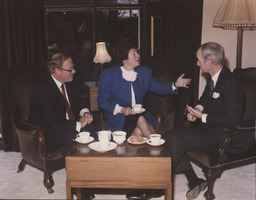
(124, 85)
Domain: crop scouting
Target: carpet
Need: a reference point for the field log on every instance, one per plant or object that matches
(235, 184)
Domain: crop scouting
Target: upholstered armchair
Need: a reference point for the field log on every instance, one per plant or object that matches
(214, 162)
(19, 82)
(163, 107)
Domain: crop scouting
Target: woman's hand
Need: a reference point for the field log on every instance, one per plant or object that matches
(182, 82)
(127, 111)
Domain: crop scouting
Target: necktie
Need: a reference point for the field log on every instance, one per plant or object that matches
(211, 87)
(68, 109)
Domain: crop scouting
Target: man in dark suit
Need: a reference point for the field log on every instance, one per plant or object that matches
(51, 111)
(220, 106)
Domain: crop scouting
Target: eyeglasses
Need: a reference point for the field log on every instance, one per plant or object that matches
(67, 70)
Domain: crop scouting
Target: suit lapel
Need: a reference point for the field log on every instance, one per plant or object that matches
(224, 75)
(56, 90)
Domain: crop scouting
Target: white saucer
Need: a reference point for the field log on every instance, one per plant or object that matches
(96, 146)
(141, 111)
(82, 142)
(162, 141)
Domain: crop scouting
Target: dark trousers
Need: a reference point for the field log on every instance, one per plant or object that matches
(195, 138)
(64, 139)
(184, 140)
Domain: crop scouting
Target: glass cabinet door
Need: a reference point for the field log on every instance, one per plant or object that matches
(77, 31)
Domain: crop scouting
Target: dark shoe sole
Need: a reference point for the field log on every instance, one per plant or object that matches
(194, 193)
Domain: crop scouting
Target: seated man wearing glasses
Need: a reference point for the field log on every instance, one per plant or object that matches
(57, 108)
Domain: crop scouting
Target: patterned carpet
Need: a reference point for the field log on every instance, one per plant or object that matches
(235, 184)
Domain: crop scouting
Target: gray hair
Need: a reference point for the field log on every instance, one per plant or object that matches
(56, 61)
(214, 52)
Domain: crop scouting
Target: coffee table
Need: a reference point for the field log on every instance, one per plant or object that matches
(128, 166)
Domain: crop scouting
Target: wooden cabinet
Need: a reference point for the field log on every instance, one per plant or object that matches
(93, 98)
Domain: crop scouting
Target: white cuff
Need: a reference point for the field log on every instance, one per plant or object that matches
(117, 109)
(78, 126)
(204, 116)
(173, 87)
(84, 110)
(200, 107)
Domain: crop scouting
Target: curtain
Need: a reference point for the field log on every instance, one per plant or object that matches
(22, 41)
(181, 37)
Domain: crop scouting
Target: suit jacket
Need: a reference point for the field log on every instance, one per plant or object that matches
(225, 107)
(113, 89)
(48, 107)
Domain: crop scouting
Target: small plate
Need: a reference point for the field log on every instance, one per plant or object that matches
(141, 111)
(162, 141)
(81, 142)
(145, 140)
(96, 147)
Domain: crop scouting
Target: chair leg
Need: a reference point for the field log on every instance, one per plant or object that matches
(48, 182)
(21, 166)
(211, 176)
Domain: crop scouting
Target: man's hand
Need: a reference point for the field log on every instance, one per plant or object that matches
(182, 82)
(127, 111)
(86, 119)
(193, 113)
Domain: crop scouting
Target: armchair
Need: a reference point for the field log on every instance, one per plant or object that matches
(164, 107)
(19, 82)
(214, 162)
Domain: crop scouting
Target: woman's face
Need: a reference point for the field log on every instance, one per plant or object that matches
(133, 60)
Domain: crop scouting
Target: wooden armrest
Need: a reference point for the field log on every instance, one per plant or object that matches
(223, 150)
(252, 128)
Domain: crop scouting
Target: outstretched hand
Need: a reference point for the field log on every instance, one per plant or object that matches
(182, 82)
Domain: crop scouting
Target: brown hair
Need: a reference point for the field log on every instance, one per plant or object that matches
(56, 61)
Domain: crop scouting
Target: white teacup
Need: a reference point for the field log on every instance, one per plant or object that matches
(104, 134)
(83, 136)
(155, 139)
(119, 136)
(104, 137)
(137, 107)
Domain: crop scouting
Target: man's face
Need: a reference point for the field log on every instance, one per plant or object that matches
(133, 59)
(63, 75)
(204, 65)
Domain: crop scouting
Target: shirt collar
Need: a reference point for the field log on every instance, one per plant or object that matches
(57, 82)
(216, 76)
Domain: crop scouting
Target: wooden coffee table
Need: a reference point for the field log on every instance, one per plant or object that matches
(128, 166)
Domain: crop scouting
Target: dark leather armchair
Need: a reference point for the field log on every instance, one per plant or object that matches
(214, 162)
(19, 82)
(163, 107)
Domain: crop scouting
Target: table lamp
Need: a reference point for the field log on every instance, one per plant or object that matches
(101, 57)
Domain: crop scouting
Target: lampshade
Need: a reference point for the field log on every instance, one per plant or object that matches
(101, 55)
(234, 14)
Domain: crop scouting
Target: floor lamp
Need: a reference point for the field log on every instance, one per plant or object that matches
(101, 57)
(237, 15)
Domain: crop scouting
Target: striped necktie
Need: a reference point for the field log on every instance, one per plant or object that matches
(68, 109)
(211, 87)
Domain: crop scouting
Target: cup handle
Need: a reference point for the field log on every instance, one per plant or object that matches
(77, 135)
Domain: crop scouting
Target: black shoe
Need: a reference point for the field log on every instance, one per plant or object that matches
(195, 189)
(136, 195)
(144, 194)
